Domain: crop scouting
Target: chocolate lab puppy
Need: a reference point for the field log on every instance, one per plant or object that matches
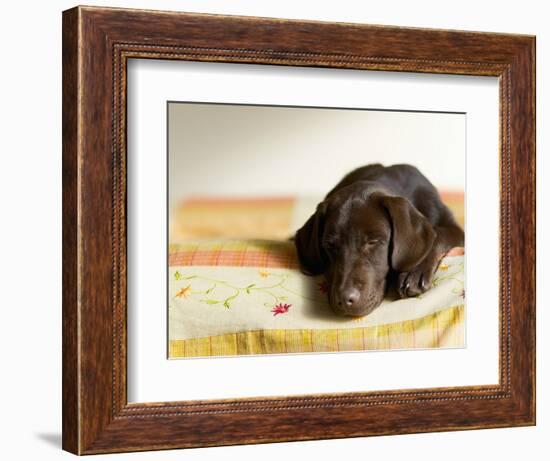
(379, 225)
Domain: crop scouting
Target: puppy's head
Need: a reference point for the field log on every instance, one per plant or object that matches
(356, 237)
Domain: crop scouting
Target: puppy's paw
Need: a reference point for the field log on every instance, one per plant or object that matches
(415, 282)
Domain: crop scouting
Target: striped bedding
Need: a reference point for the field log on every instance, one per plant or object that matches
(231, 296)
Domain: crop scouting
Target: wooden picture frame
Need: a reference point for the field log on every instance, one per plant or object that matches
(97, 43)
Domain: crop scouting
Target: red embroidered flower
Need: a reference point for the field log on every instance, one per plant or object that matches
(323, 287)
(281, 309)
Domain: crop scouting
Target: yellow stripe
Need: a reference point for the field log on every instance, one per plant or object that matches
(441, 329)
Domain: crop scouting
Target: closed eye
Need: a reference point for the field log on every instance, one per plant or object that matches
(372, 243)
(330, 246)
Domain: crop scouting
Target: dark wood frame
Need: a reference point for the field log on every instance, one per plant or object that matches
(97, 43)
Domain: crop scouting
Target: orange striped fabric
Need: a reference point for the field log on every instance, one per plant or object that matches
(455, 202)
(245, 253)
(268, 217)
(271, 218)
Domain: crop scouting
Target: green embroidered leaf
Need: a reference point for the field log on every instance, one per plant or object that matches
(177, 275)
(231, 298)
(210, 301)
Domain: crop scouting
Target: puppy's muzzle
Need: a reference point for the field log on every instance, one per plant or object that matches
(352, 302)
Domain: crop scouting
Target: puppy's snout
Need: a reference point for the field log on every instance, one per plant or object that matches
(350, 297)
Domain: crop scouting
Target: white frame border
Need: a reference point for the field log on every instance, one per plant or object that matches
(153, 378)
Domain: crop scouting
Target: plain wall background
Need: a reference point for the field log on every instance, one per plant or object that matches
(30, 243)
(251, 151)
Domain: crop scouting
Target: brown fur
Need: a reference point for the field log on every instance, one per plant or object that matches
(379, 225)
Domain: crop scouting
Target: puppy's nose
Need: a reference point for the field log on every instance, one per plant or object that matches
(350, 297)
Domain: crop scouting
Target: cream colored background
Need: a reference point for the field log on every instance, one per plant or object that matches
(218, 149)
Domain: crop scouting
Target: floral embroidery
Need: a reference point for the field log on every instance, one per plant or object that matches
(184, 292)
(264, 274)
(449, 275)
(177, 275)
(278, 291)
(281, 309)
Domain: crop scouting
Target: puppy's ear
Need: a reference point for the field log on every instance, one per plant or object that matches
(308, 241)
(412, 234)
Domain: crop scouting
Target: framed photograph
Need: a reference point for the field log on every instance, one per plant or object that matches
(282, 230)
